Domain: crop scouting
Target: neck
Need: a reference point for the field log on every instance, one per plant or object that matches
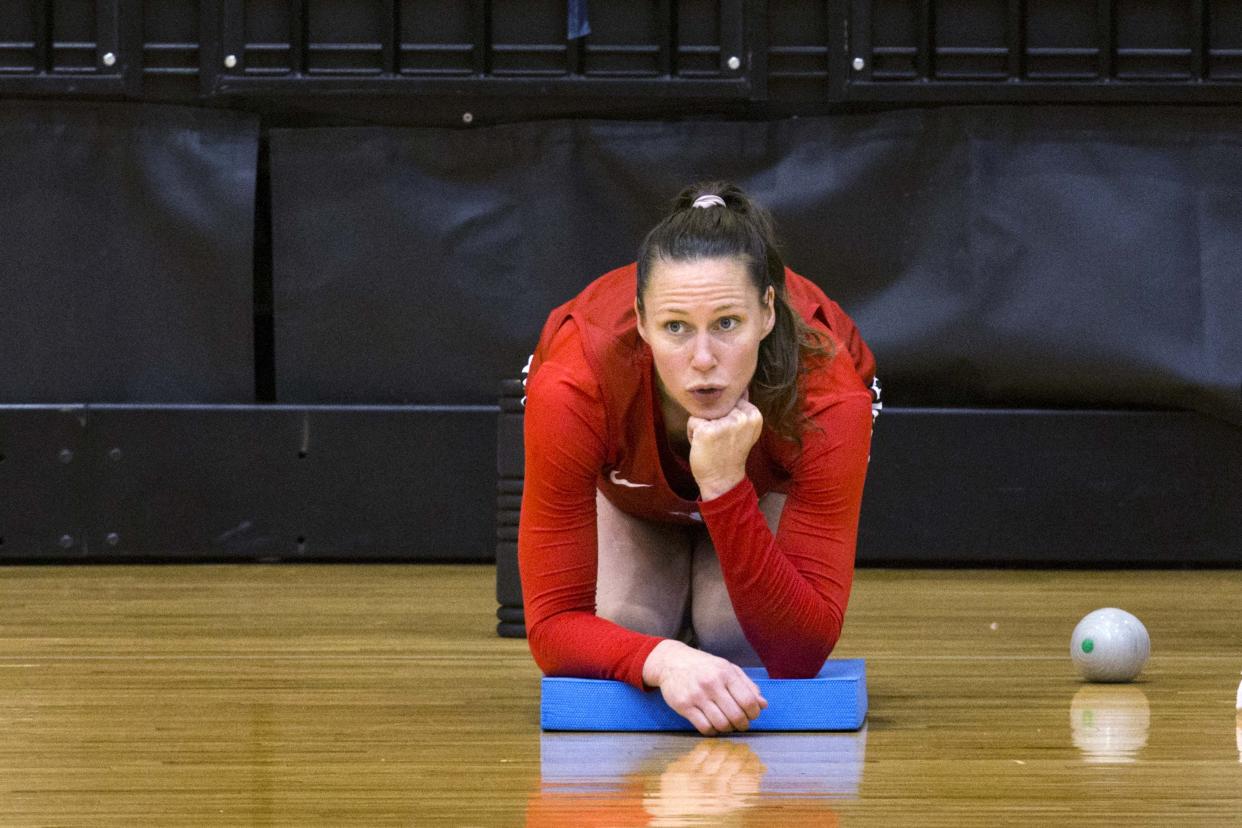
(674, 417)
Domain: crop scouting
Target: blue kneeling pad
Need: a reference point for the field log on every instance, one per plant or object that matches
(836, 699)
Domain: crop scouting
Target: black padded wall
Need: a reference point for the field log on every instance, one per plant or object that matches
(1000, 256)
(517, 59)
(237, 483)
(996, 257)
(127, 253)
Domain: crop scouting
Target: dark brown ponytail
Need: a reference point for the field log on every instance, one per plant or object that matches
(744, 230)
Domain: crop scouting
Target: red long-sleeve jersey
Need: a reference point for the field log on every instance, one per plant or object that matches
(592, 422)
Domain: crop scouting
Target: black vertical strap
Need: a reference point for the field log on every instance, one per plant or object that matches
(130, 54)
(575, 49)
(1106, 37)
(108, 37)
(666, 11)
(755, 49)
(481, 30)
(926, 26)
(264, 322)
(390, 36)
(838, 49)
(857, 36)
(41, 13)
(1015, 36)
(731, 36)
(298, 30)
(211, 47)
(1200, 39)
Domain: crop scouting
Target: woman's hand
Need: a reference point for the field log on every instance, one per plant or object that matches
(719, 448)
(714, 694)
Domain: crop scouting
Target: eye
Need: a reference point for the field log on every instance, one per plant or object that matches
(728, 323)
(674, 327)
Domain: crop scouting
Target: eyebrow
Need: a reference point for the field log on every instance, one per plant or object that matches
(717, 309)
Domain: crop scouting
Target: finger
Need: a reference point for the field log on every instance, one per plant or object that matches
(731, 709)
(741, 675)
(700, 722)
(716, 716)
(754, 688)
(746, 696)
(692, 425)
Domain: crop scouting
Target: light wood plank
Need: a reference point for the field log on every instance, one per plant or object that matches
(379, 695)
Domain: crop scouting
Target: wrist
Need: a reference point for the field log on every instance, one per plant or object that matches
(653, 667)
(715, 487)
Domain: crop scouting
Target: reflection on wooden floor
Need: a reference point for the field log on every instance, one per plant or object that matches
(685, 779)
(291, 695)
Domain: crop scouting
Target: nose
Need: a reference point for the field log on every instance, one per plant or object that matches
(703, 358)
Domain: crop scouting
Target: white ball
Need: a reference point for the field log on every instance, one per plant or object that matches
(1109, 645)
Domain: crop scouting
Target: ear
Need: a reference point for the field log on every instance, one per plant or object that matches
(638, 317)
(769, 308)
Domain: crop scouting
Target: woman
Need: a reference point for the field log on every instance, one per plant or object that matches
(680, 411)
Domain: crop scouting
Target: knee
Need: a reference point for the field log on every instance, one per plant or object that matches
(720, 634)
(661, 621)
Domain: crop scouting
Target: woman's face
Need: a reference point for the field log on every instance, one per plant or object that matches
(704, 321)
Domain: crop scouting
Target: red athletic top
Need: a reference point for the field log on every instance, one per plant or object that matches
(593, 422)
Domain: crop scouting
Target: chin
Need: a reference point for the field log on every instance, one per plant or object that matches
(713, 411)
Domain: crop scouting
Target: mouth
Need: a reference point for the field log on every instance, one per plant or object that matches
(707, 394)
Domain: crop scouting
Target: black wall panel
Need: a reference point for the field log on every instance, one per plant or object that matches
(295, 57)
(1120, 488)
(1052, 50)
(994, 257)
(652, 47)
(247, 483)
(41, 507)
(127, 253)
(986, 488)
(997, 257)
(63, 47)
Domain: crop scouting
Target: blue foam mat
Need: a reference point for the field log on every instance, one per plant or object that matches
(835, 699)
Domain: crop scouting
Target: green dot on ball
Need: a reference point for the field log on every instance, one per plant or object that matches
(1087, 645)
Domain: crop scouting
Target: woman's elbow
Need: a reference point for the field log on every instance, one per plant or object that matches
(540, 651)
(807, 660)
(802, 665)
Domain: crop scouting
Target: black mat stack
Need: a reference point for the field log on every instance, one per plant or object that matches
(510, 468)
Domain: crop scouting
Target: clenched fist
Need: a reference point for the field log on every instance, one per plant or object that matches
(719, 448)
(714, 694)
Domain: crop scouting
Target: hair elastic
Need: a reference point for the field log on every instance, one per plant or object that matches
(706, 201)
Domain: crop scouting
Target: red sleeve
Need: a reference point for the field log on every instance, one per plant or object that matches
(790, 591)
(557, 535)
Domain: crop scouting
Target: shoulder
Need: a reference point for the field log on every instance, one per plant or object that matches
(601, 313)
(563, 374)
(832, 383)
(817, 308)
(607, 300)
(806, 297)
(565, 423)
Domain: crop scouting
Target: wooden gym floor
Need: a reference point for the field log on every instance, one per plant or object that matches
(380, 695)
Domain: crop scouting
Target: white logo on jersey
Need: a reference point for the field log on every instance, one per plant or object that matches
(615, 478)
(525, 375)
